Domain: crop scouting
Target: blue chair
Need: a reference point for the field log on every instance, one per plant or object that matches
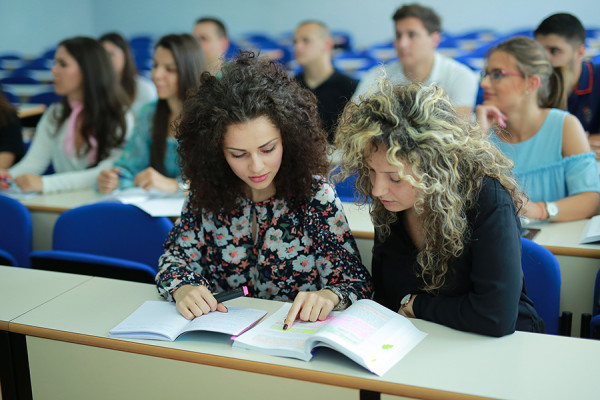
(590, 323)
(346, 189)
(352, 61)
(46, 98)
(16, 233)
(20, 80)
(10, 96)
(106, 239)
(542, 280)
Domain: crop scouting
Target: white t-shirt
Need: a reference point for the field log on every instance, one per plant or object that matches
(145, 93)
(71, 173)
(459, 82)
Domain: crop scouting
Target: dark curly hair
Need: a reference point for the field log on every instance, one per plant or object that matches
(249, 87)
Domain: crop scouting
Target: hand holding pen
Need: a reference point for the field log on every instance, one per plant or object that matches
(193, 301)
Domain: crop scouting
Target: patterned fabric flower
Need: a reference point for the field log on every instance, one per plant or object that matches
(303, 249)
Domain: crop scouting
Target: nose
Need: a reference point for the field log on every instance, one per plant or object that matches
(485, 82)
(256, 164)
(379, 188)
(53, 70)
(402, 41)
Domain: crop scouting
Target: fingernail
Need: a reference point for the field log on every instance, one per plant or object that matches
(285, 326)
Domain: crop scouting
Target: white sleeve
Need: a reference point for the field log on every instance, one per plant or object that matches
(39, 155)
(367, 82)
(84, 179)
(461, 85)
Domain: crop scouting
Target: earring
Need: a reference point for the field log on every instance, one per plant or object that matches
(527, 92)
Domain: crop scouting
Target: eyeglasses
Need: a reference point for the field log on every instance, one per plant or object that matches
(496, 75)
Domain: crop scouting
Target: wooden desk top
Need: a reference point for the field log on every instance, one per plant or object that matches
(23, 289)
(562, 238)
(30, 110)
(447, 364)
(61, 202)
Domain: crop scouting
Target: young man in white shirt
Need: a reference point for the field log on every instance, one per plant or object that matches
(418, 34)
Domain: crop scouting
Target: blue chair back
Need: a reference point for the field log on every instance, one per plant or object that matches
(111, 240)
(542, 280)
(46, 98)
(16, 231)
(20, 80)
(113, 230)
(10, 96)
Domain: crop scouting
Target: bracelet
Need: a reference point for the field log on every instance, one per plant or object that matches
(342, 296)
(545, 214)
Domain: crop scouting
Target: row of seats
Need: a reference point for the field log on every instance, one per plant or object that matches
(107, 239)
(468, 47)
(121, 241)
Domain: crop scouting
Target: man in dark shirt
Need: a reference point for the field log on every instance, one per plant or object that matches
(563, 37)
(312, 49)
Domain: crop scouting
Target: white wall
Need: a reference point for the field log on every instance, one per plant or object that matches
(33, 25)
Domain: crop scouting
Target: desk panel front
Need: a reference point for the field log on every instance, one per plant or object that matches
(447, 364)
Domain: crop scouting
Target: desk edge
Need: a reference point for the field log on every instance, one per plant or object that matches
(281, 371)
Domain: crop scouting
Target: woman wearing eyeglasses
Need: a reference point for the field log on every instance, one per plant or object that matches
(523, 101)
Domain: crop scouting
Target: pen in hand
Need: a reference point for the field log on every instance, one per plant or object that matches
(231, 294)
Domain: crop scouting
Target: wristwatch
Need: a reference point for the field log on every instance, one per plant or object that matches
(551, 209)
(344, 300)
(405, 300)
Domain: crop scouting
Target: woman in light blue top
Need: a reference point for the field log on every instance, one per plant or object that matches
(149, 159)
(552, 158)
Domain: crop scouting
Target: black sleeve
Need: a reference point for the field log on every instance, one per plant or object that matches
(493, 261)
(11, 139)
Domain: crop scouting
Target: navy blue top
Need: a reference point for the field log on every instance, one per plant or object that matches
(584, 102)
(484, 290)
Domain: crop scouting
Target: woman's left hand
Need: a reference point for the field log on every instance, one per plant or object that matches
(152, 179)
(407, 311)
(29, 183)
(311, 306)
(535, 210)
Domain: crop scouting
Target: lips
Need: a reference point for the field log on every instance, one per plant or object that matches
(259, 178)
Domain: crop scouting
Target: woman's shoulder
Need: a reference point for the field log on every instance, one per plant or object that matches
(493, 194)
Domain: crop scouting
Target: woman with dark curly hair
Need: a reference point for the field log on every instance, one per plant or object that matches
(444, 205)
(259, 213)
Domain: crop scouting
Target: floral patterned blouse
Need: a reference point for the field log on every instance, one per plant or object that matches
(304, 250)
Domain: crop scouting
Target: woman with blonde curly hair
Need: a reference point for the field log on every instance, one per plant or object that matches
(260, 214)
(445, 209)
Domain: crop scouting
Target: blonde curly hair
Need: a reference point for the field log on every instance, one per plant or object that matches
(418, 127)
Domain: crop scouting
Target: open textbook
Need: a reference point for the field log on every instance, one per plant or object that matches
(160, 320)
(591, 232)
(154, 202)
(366, 332)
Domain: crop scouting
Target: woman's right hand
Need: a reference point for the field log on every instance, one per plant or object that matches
(193, 301)
(488, 115)
(108, 180)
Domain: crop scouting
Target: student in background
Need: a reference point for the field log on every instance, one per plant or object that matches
(563, 37)
(523, 97)
(312, 49)
(11, 139)
(150, 157)
(445, 210)
(259, 213)
(138, 89)
(211, 34)
(86, 131)
(418, 34)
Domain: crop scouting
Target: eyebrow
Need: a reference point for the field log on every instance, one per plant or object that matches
(260, 147)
